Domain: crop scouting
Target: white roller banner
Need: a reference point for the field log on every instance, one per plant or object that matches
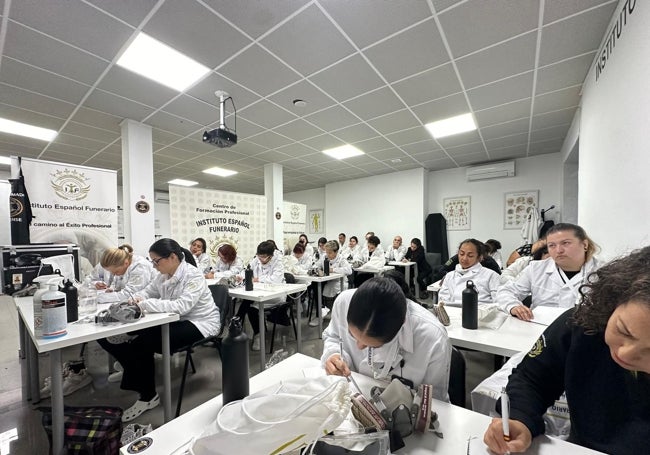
(295, 222)
(218, 217)
(72, 204)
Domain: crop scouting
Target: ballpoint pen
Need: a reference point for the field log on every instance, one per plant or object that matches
(505, 414)
(349, 378)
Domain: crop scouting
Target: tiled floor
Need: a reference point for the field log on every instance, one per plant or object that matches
(21, 432)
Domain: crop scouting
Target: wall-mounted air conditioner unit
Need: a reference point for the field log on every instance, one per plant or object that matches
(491, 171)
(161, 197)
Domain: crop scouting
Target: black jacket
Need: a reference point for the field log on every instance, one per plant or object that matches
(609, 405)
(450, 265)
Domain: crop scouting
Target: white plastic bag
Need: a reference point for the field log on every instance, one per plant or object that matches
(278, 419)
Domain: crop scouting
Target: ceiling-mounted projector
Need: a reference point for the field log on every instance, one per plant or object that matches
(223, 136)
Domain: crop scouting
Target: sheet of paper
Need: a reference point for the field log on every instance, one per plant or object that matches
(547, 314)
(314, 372)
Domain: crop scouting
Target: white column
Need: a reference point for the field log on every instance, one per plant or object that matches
(137, 185)
(273, 190)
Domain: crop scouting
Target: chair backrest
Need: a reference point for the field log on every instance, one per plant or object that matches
(457, 378)
(224, 302)
(289, 278)
(433, 259)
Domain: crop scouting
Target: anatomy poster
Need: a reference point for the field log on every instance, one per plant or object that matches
(457, 211)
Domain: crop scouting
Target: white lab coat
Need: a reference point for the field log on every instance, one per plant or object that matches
(422, 343)
(395, 254)
(203, 262)
(513, 271)
(271, 272)
(137, 276)
(547, 283)
(101, 275)
(455, 282)
(337, 265)
(185, 293)
(376, 260)
(348, 252)
(223, 270)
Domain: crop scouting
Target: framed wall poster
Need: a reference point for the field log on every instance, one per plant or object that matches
(457, 211)
(316, 221)
(516, 207)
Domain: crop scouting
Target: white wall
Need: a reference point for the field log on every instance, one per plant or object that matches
(5, 224)
(614, 124)
(543, 173)
(389, 205)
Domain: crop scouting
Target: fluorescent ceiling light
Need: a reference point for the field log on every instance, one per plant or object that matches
(182, 182)
(451, 125)
(5, 160)
(23, 129)
(221, 172)
(157, 61)
(343, 152)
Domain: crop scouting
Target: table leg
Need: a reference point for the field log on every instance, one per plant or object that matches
(57, 402)
(262, 336)
(319, 305)
(33, 374)
(21, 334)
(296, 302)
(167, 376)
(416, 285)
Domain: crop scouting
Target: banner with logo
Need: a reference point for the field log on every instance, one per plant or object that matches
(218, 217)
(295, 221)
(72, 204)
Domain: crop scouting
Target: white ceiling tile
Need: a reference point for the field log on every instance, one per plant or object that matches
(336, 80)
(163, 120)
(197, 111)
(135, 87)
(308, 42)
(271, 156)
(205, 91)
(194, 30)
(333, 118)
(130, 12)
(395, 15)
(409, 136)
(554, 101)
(388, 154)
(469, 137)
(507, 141)
(502, 92)
(269, 139)
(303, 90)
(397, 121)
(374, 104)
(97, 134)
(509, 58)
(374, 144)
(266, 114)
(504, 113)
(34, 102)
(544, 147)
(474, 158)
(355, 133)
(553, 119)
(441, 5)
(505, 129)
(323, 142)
(490, 21)
(439, 164)
(409, 52)
(30, 117)
(555, 132)
(11, 141)
(257, 68)
(441, 108)
(429, 85)
(517, 151)
(564, 74)
(81, 25)
(247, 129)
(573, 36)
(417, 148)
(68, 139)
(298, 130)
(558, 9)
(98, 119)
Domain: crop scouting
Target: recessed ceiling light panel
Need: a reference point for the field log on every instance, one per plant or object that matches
(343, 152)
(152, 59)
(451, 126)
(23, 129)
(182, 182)
(221, 172)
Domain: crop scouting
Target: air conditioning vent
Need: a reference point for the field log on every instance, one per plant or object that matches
(491, 171)
(161, 197)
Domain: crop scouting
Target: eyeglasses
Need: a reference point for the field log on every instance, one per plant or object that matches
(157, 260)
(263, 257)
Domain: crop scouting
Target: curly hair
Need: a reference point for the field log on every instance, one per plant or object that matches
(621, 281)
(228, 252)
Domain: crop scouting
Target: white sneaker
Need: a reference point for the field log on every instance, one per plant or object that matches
(324, 311)
(116, 376)
(256, 343)
(46, 390)
(139, 407)
(75, 381)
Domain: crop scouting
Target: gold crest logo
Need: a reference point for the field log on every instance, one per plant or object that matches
(16, 207)
(215, 244)
(295, 212)
(70, 184)
(538, 347)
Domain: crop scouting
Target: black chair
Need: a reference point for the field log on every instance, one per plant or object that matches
(457, 378)
(289, 279)
(226, 309)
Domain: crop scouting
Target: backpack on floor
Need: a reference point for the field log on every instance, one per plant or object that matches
(94, 430)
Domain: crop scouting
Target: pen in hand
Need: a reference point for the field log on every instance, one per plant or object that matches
(349, 376)
(505, 414)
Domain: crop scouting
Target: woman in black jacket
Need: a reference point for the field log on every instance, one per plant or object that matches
(416, 254)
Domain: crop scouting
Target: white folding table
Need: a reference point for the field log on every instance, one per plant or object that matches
(319, 293)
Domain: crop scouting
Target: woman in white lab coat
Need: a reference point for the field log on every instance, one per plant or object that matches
(129, 272)
(304, 241)
(384, 334)
(554, 281)
(469, 268)
(338, 264)
(227, 265)
(198, 247)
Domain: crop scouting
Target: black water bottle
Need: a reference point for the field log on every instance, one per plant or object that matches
(72, 303)
(234, 356)
(248, 278)
(470, 306)
(326, 267)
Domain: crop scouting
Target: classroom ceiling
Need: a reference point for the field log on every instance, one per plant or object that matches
(372, 72)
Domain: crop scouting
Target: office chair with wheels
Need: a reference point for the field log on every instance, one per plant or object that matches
(226, 309)
(457, 378)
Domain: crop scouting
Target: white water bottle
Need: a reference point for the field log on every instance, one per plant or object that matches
(55, 316)
(43, 287)
(87, 298)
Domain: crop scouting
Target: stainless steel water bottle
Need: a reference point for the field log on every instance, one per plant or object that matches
(470, 306)
(248, 278)
(234, 356)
